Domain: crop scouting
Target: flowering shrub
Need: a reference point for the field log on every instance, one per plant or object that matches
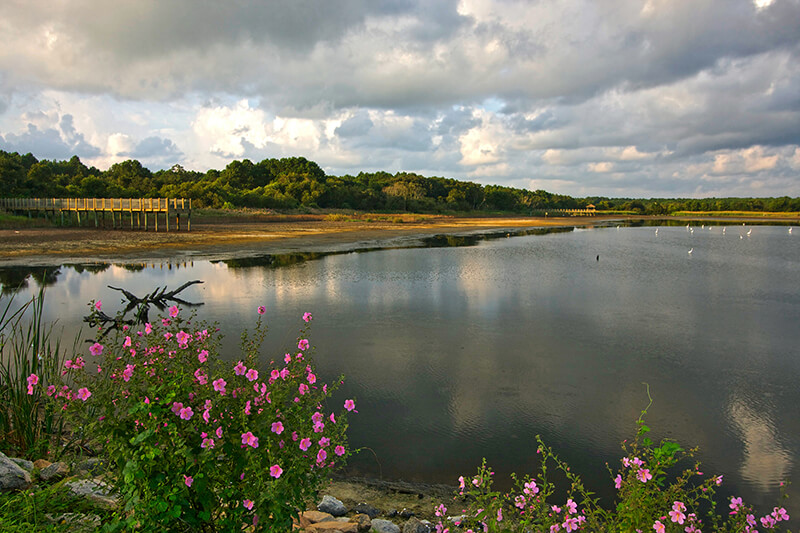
(198, 443)
(646, 500)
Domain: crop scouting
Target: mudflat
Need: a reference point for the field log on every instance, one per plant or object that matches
(227, 238)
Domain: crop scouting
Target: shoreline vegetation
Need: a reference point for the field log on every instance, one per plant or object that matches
(223, 234)
(160, 469)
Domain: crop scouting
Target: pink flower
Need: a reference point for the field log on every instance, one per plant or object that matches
(677, 516)
(127, 343)
(183, 338)
(176, 407)
(173, 311)
(248, 504)
(277, 427)
(303, 344)
(302, 389)
(83, 394)
(321, 456)
(261, 310)
(186, 413)
(252, 374)
(530, 488)
(572, 507)
(500, 515)
(307, 317)
(779, 514)
(207, 443)
(324, 441)
(96, 349)
(202, 356)
(571, 524)
(248, 439)
(305, 444)
(275, 471)
(659, 527)
(98, 305)
(219, 385)
(718, 480)
(349, 405)
(311, 378)
(735, 504)
(339, 450)
(618, 481)
(644, 474)
(200, 376)
(128, 372)
(188, 480)
(239, 369)
(33, 379)
(148, 328)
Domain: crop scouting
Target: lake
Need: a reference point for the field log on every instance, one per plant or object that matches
(471, 346)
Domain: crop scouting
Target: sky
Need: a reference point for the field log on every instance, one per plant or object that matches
(618, 98)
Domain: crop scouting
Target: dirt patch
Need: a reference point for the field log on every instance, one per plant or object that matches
(43, 246)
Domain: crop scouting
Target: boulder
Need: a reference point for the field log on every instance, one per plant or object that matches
(332, 506)
(385, 526)
(23, 463)
(414, 525)
(367, 509)
(12, 476)
(41, 463)
(95, 491)
(54, 472)
(364, 522)
(92, 466)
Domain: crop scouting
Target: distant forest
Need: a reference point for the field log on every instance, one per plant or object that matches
(296, 182)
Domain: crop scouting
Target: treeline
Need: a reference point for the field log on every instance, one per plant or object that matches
(667, 206)
(295, 182)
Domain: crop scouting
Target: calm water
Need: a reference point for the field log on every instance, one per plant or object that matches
(459, 353)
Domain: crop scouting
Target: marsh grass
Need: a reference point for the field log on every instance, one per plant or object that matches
(29, 426)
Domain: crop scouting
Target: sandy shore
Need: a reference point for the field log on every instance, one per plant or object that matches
(232, 238)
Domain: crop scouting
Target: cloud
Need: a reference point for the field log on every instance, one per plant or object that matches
(654, 96)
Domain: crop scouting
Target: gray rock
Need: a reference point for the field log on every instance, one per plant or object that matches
(406, 513)
(367, 509)
(75, 522)
(95, 491)
(415, 525)
(92, 466)
(23, 463)
(332, 506)
(54, 472)
(384, 526)
(12, 477)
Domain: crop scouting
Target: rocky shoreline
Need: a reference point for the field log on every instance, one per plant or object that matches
(349, 505)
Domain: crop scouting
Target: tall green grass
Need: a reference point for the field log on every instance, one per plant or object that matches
(29, 425)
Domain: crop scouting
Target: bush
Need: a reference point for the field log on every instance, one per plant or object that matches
(647, 499)
(200, 444)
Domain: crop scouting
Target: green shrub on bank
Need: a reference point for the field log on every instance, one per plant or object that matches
(650, 497)
(197, 443)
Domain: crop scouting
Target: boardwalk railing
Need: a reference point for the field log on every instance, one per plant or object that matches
(140, 211)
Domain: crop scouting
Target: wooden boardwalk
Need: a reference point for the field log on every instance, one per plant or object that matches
(136, 213)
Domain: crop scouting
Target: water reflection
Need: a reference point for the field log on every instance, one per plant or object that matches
(473, 346)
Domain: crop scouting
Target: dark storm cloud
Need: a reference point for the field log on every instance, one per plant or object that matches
(153, 148)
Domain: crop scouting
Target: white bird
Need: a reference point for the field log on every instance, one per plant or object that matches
(790, 231)
(692, 250)
(691, 230)
(741, 237)
(750, 231)
(723, 231)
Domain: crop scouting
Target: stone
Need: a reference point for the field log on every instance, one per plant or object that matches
(95, 491)
(12, 476)
(314, 517)
(385, 526)
(367, 509)
(41, 463)
(75, 522)
(92, 466)
(54, 471)
(406, 513)
(23, 463)
(364, 522)
(415, 525)
(334, 525)
(332, 506)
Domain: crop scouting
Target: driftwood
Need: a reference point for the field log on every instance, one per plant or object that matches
(159, 298)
